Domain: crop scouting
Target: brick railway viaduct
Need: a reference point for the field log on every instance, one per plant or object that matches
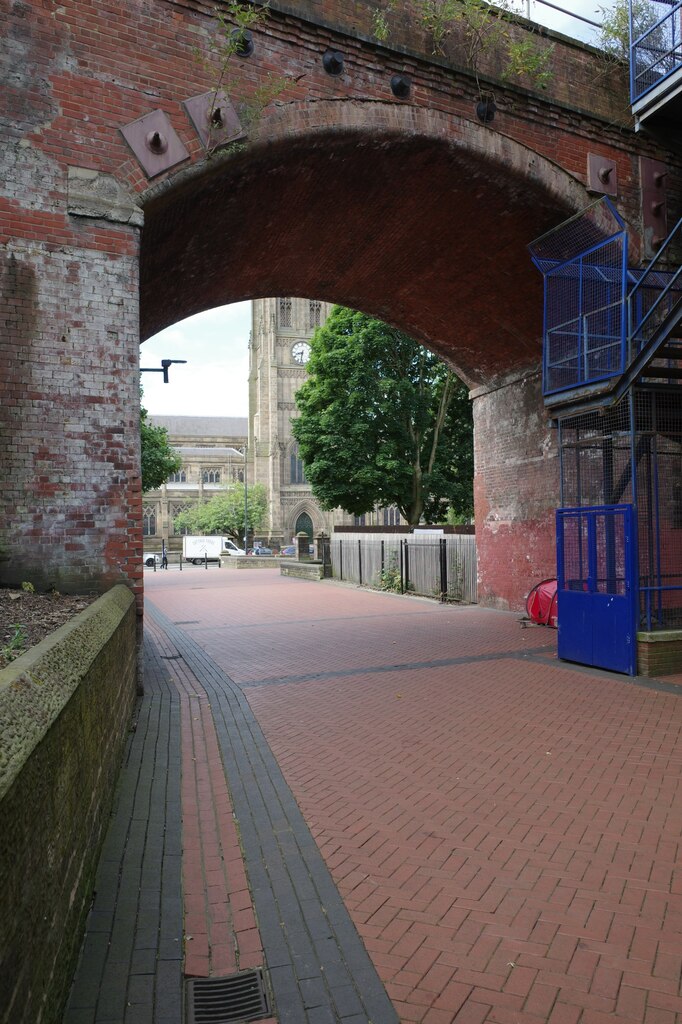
(409, 208)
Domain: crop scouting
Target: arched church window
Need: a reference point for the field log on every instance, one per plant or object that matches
(391, 516)
(285, 314)
(211, 476)
(296, 469)
(175, 509)
(361, 520)
(314, 313)
(178, 478)
(149, 521)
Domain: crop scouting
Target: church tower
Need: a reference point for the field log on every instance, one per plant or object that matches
(279, 349)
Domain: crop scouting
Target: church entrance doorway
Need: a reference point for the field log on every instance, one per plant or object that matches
(304, 524)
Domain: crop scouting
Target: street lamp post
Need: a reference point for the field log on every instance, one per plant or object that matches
(246, 504)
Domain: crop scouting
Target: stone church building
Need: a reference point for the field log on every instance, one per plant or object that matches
(213, 447)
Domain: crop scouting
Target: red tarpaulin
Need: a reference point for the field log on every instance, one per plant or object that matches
(541, 603)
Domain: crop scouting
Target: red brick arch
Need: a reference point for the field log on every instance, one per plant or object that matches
(409, 209)
(409, 214)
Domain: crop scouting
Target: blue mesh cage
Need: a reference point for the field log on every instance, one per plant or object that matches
(655, 44)
(584, 265)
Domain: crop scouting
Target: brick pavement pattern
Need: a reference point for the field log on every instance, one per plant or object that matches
(504, 829)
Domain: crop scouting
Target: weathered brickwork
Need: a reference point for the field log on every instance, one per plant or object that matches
(409, 209)
(70, 420)
(65, 709)
(515, 492)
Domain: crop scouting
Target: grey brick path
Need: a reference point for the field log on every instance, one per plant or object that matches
(130, 970)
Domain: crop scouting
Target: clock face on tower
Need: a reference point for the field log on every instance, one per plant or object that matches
(300, 352)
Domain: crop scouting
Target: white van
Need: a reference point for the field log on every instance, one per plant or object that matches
(201, 549)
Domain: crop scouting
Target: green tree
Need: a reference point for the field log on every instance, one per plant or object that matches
(383, 421)
(159, 460)
(223, 514)
(614, 35)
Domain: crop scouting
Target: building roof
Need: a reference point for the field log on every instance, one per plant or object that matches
(202, 426)
(213, 451)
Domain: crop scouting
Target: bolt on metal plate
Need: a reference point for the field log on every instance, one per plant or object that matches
(155, 143)
(654, 179)
(602, 175)
(214, 119)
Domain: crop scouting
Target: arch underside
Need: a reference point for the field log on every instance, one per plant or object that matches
(425, 229)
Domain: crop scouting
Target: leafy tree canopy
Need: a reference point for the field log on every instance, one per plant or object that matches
(383, 421)
(159, 460)
(223, 514)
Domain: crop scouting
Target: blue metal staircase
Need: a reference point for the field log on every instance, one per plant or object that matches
(607, 326)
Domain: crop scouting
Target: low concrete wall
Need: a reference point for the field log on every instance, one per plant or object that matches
(248, 561)
(304, 570)
(65, 709)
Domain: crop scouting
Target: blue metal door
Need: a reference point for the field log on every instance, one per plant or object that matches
(597, 591)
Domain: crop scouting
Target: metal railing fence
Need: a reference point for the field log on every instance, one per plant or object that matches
(656, 47)
(440, 567)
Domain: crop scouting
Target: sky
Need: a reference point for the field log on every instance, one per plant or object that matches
(214, 381)
(215, 343)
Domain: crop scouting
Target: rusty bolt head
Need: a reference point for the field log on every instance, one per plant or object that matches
(332, 62)
(156, 142)
(400, 86)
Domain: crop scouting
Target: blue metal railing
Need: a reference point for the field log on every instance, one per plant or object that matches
(646, 312)
(655, 51)
(591, 344)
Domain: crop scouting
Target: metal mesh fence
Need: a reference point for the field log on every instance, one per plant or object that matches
(596, 449)
(656, 50)
(632, 454)
(584, 264)
(658, 452)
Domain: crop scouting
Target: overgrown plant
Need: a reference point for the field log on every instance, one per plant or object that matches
(456, 579)
(234, 23)
(483, 28)
(16, 644)
(614, 35)
(389, 578)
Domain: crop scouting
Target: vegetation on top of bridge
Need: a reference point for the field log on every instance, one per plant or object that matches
(481, 29)
(235, 23)
(510, 51)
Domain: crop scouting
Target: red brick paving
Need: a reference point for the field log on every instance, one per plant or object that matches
(220, 930)
(505, 833)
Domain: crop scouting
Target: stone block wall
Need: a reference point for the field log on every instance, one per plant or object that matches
(659, 654)
(65, 709)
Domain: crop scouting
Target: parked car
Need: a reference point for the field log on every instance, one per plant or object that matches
(150, 557)
(262, 551)
(290, 550)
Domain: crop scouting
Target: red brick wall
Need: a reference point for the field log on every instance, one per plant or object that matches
(410, 210)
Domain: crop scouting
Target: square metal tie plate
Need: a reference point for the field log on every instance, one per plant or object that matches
(214, 119)
(155, 143)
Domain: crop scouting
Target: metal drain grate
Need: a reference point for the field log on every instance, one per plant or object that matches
(240, 997)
